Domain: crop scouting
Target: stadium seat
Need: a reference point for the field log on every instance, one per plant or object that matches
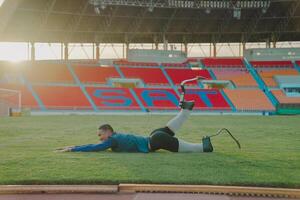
(268, 75)
(112, 98)
(249, 100)
(167, 99)
(63, 98)
(100, 75)
(205, 99)
(151, 76)
(27, 100)
(282, 98)
(45, 72)
(272, 64)
(240, 77)
(223, 62)
(157, 99)
(178, 75)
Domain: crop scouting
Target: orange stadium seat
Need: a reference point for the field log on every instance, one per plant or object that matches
(268, 75)
(240, 77)
(282, 98)
(223, 62)
(45, 72)
(61, 97)
(148, 75)
(87, 74)
(249, 99)
(178, 75)
(27, 100)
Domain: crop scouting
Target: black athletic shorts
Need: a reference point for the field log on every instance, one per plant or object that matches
(163, 138)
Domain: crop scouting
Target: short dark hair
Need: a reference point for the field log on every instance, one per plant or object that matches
(106, 127)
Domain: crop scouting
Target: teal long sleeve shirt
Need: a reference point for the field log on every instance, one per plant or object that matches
(118, 142)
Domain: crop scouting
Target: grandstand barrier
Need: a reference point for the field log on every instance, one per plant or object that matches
(288, 109)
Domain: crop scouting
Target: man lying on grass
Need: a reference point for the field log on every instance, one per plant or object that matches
(162, 138)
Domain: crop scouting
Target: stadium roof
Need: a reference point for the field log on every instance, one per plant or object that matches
(78, 21)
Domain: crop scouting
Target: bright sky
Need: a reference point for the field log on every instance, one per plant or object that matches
(1, 2)
(15, 52)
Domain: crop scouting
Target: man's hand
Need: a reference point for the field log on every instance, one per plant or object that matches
(64, 149)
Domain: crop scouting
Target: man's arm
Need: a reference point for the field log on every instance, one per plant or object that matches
(93, 147)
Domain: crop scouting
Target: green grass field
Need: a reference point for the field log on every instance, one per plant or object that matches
(270, 154)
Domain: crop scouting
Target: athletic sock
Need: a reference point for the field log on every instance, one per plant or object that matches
(189, 147)
(175, 123)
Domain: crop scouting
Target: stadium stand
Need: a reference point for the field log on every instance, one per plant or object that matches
(178, 75)
(157, 99)
(267, 75)
(282, 98)
(272, 64)
(223, 62)
(27, 100)
(151, 76)
(63, 97)
(249, 100)
(207, 99)
(112, 98)
(46, 72)
(100, 75)
(240, 77)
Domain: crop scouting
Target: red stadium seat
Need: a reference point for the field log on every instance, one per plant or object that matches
(205, 99)
(223, 62)
(112, 98)
(178, 75)
(148, 75)
(100, 75)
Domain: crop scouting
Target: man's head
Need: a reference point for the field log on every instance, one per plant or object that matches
(105, 131)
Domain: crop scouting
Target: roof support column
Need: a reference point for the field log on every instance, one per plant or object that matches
(97, 51)
(32, 51)
(127, 49)
(186, 48)
(243, 48)
(214, 49)
(268, 43)
(66, 51)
